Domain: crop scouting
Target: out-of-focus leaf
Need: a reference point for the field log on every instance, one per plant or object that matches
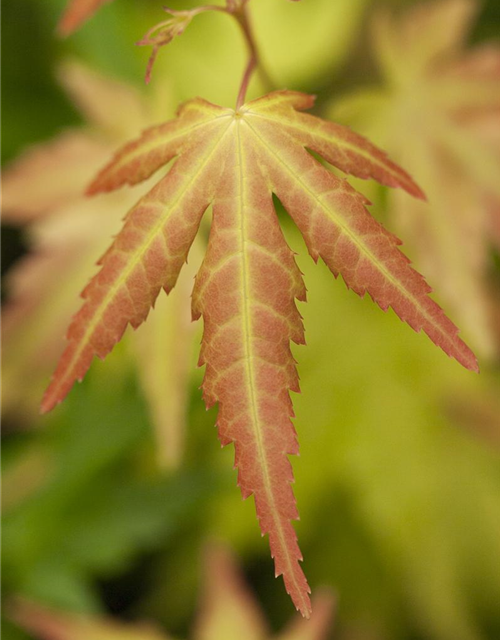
(47, 624)
(439, 114)
(110, 107)
(42, 293)
(163, 349)
(25, 475)
(76, 13)
(47, 184)
(478, 413)
(228, 611)
(317, 627)
(95, 513)
(56, 158)
(228, 608)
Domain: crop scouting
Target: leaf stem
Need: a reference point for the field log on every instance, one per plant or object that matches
(164, 32)
(242, 17)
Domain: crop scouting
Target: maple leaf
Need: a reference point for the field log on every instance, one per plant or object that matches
(228, 610)
(56, 158)
(67, 233)
(51, 624)
(438, 114)
(76, 13)
(248, 282)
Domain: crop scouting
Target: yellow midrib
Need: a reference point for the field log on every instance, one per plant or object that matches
(155, 143)
(352, 236)
(343, 144)
(250, 373)
(131, 266)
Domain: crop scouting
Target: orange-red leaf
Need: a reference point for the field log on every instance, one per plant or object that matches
(139, 159)
(248, 282)
(76, 13)
(338, 228)
(146, 256)
(341, 147)
(245, 291)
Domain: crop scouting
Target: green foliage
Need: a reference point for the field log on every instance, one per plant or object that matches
(96, 510)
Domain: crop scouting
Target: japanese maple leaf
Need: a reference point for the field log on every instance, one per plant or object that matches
(228, 611)
(439, 114)
(76, 13)
(43, 192)
(248, 282)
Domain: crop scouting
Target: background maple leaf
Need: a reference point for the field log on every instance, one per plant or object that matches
(437, 113)
(76, 13)
(228, 610)
(67, 234)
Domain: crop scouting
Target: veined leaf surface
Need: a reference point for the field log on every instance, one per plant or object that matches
(247, 285)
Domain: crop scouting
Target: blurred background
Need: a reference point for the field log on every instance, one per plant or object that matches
(109, 501)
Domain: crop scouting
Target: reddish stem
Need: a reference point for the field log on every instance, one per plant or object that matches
(252, 63)
(241, 16)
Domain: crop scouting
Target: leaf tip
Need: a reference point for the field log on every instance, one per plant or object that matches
(418, 193)
(473, 364)
(47, 404)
